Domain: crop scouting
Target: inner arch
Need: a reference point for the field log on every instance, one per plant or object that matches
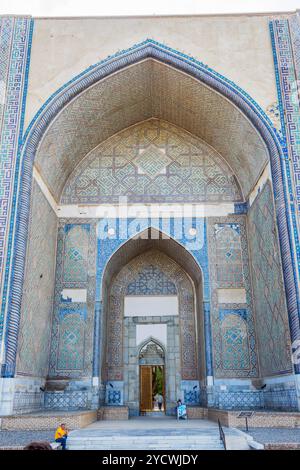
(175, 267)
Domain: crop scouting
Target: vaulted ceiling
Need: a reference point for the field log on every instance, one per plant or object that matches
(139, 92)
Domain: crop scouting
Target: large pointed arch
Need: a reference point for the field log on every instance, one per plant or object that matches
(186, 271)
(148, 49)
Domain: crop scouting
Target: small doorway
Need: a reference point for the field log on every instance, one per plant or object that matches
(152, 388)
(152, 378)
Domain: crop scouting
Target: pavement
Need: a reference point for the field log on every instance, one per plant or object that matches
(275, 435)
(22, 438)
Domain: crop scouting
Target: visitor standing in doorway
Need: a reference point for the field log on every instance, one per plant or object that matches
(159, 400)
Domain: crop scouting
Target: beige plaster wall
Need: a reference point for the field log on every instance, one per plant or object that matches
(238, 47)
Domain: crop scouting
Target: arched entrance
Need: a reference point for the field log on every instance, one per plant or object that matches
(148, 294)
(219, 86)
(66, 137)
(152, 377)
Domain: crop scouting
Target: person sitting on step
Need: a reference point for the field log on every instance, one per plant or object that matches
(61, 435)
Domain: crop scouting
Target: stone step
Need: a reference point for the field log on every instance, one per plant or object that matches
(146, 445)
(195, 447)
(143, 438)
(145, 442)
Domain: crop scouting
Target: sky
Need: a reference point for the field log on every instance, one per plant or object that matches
(141, 7)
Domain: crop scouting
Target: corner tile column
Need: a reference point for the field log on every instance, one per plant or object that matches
(15, 47)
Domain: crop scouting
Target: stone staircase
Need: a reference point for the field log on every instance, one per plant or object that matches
(147, 434)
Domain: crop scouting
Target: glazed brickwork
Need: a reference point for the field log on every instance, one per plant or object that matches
(260, 419)
(233, 329)
(285, 42)
(46, 421)
(203, 74)
(114, 355)
(15, 43)
(81, 259)
(269, 295)
(38, 290)
(73, 322)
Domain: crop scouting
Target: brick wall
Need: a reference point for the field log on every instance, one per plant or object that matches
(48, 421)
(259, 419)
(113, 412)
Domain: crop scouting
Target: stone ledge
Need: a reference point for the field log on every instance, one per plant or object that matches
(196, 412)
(260, 419)
(282, 446)
(47, 420)
(113, 413)
(11, 447)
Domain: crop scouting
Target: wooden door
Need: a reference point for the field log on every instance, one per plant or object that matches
(146, 388)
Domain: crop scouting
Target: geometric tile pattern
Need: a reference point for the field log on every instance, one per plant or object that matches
(113, 369)
(177, 229)
(71, 351)
(37, 303)
(285, 35)
(235, 347)
(68, 400)
(156, 90)
(233, 329)
(240, 400)
(281, 399)
(114, 397)
(75, 253)
(15, 41)
(269, 294)
(152, 161)
(229, 257)
(71, 342)
(151, 281)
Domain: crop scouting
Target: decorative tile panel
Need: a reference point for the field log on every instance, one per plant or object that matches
(38, 289)
(67, 400)
(269, 295)
(115, 314)
(15, 44)
(235, 346)
(229, 256)
(76, 246)
(287, 73)
(71, 352)
(152, 161)
(151, 281)
(233, 331)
